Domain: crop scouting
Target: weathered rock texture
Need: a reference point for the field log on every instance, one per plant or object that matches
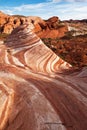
(77, 27)
(50, 28)
(35, 91)
(8, 22)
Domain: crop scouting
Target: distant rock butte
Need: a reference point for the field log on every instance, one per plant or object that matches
(38, 90)
(43, 28)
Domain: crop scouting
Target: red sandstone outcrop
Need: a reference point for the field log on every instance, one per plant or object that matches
(3, 19)
(51, 28)
(8, 23)
(53, 22)
(38, 91)
(43, 28)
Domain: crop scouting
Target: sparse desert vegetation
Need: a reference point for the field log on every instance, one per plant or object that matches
(71, 49)
(3, 36)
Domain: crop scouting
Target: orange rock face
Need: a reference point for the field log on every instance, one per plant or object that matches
(8, 23)
(50, 28)
(3, 18)
(38, 90)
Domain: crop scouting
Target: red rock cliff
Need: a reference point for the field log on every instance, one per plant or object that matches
(50, 28)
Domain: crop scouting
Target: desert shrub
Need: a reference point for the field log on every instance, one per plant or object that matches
(3, 36)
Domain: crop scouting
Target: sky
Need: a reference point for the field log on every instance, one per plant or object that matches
(64, 9)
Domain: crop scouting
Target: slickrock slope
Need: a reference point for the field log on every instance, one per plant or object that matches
(35, 93)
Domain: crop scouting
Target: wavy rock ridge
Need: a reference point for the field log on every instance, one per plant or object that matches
(35, 94)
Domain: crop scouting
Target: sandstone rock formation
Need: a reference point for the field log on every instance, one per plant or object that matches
(3, 19)
(43, 28)
(37, 89)
(51, 28)
(8, 23)
(77, 27)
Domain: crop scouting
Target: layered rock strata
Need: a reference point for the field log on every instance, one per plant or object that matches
(37, 89)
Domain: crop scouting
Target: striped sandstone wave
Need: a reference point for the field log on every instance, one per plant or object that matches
(35, 91)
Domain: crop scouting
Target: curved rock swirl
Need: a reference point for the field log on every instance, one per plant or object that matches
(35, 93)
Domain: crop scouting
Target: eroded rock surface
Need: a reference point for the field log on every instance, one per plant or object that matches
(38, 91)
(43, 28)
